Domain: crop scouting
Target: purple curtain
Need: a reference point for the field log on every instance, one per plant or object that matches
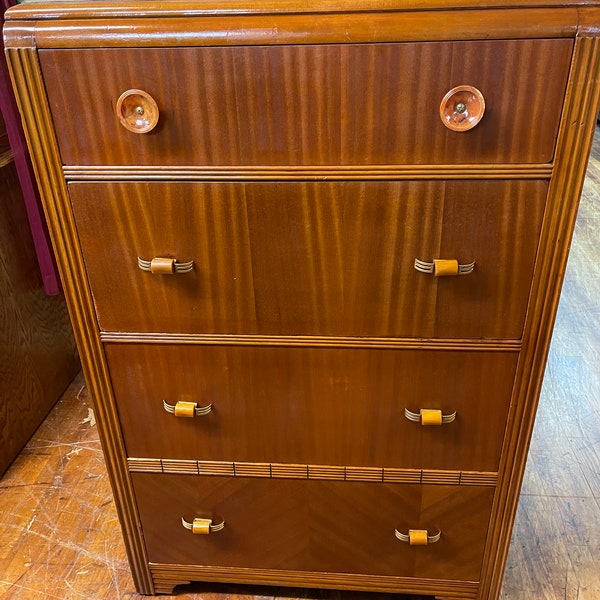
(16, 138)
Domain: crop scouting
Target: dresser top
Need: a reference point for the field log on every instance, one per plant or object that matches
(57, 9)
(162, 23)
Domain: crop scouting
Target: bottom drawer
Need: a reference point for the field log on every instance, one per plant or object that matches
(319, 526)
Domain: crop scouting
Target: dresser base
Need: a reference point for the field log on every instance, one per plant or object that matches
(167, 577)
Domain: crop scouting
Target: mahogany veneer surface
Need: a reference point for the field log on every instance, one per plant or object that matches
(340, 406)
(310, 105)
(289, 258)
(300, 163)
(314, 526)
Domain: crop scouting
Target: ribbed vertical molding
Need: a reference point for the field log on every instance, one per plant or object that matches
(29, 88)
(575, 135)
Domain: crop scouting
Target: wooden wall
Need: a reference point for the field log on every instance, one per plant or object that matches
(37, 352)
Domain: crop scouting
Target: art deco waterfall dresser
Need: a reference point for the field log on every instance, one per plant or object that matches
(312, 252)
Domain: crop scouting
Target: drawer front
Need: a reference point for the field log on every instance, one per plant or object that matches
(314, 406)
(334, 527)
(363, 104)
(312, 258)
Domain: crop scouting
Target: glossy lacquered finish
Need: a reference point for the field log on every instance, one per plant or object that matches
(340, 406)
(269, 285)
(304, 525)
(137, 111)
(288, 258)
(310, 105)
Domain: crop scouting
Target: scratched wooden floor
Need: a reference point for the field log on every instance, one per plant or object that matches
(59, 536)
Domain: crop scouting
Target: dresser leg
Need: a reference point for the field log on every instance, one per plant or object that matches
(167, 587)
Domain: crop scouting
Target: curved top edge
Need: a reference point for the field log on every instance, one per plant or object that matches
(78, 9)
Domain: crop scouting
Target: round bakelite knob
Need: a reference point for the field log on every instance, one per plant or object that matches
(462, 108)
(137, 111)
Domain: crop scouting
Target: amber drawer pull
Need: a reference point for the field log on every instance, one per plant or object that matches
(429, 416)
(202, 526)
(186, 409)
(165, 266)
(443, 267)
(462, 108)
(418, 537)
(137, 111)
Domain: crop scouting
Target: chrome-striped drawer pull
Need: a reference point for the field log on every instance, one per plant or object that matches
(202, 526)
(187, 409)
(418, 537)
(443, 267)
(165, 266)
(429, 416)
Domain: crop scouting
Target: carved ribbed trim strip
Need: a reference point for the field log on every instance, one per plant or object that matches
(216, 339)
(306, 173)
(179, 466)
(323, 472)
(441, 477)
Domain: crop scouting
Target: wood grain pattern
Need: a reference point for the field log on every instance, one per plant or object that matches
(309, 341)
(29, 92)
(6, 158)
(559, 508)
(172, 8)
(308, 173)
(38, 359)
(317, 406)
(306, 525)
(294, 259)
(321, 472)
(63, 466)
(323, 241)
(310, 105)
(270, 28)
(4, 145)
(577, 128)
(169, 576)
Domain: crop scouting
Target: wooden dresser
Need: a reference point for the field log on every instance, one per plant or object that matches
(312, 252)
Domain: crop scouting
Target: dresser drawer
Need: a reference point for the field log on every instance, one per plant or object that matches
(313, 406)
(363, 104)
(312, 258)
(331, 527)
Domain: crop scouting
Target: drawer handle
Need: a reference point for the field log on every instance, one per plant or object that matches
(429, 416)
(443, 267)
(165, 266)
(187, 409)
(137, 111)
(202, 526)
(418, 537)
(462, 108)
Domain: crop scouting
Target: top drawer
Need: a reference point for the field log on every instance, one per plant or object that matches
(339, 104)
